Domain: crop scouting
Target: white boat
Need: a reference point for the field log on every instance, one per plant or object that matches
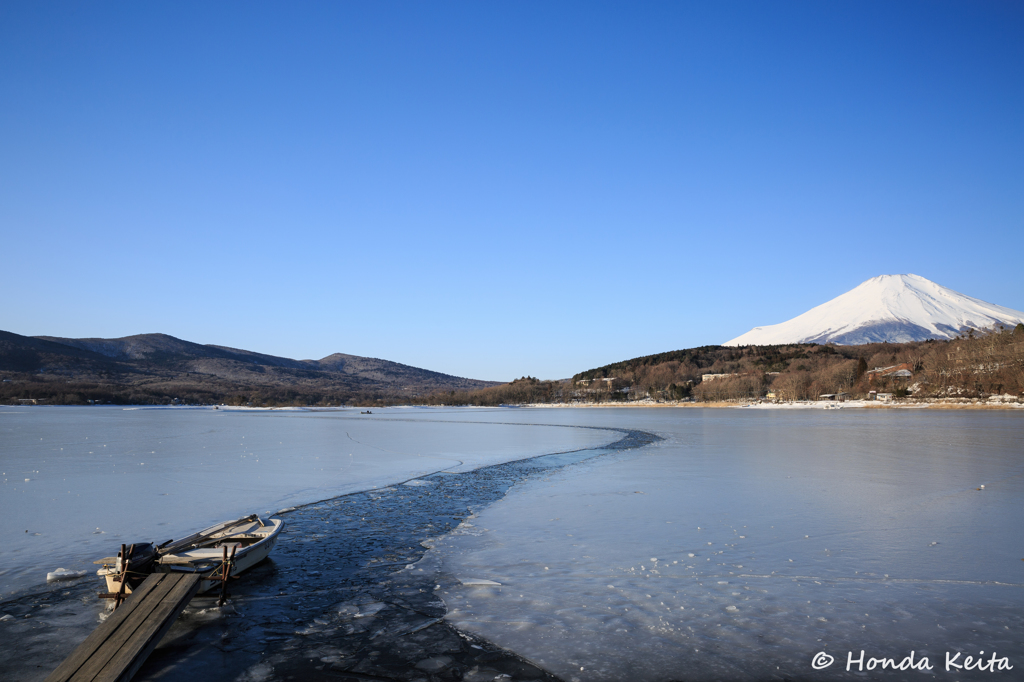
(246, 542)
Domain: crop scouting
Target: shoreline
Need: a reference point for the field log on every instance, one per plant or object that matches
(912, 403)
(932, 403)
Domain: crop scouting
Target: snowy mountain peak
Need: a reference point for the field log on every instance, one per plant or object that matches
(894, 308)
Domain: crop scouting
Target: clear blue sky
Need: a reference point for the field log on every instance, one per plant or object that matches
(492, 189)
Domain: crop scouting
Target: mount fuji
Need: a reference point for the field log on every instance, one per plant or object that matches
(893, 308)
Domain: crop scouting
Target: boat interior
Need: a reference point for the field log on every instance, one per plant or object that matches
(238, 536)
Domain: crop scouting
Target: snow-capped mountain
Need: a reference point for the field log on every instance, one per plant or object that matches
(894, 308)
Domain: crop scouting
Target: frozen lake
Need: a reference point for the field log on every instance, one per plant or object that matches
(77, 481)
(747, 542)
(739, 547)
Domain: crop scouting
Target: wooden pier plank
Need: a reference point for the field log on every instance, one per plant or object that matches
(83, 651)
(118, 647)
(134, 652)
(123, 633)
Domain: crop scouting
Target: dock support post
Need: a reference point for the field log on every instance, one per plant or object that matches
(126, 557)
(225, 573)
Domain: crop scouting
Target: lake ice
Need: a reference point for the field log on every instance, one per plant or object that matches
(745, 543)
(76, 482)
(738, 547)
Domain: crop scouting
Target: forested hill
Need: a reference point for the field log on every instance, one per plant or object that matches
(976, 364)
(158, 368)
(691, 363)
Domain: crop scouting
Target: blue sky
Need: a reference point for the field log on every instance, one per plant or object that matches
(504, 188)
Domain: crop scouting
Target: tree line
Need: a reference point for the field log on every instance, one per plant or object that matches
(974, 365)
(977, 364)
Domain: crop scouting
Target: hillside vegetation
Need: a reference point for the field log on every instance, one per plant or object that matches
(976, 365)
(161, 369)
(518, 392)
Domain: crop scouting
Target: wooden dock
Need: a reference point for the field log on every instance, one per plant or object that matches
(116, 650)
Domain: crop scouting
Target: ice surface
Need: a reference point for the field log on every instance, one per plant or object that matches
(889, 307)
(746, 542)
(102, 476)
(829, 532)
(64, 574)
(477, 581)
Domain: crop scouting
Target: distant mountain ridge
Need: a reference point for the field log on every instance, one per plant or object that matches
(152, 346)
(888, 308)
(157, 365)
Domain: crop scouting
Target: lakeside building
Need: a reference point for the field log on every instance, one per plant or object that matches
(900, 371)
(608, 381)
(712, 377)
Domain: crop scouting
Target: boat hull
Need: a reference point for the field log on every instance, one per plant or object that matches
(251, 543)
(245, 559)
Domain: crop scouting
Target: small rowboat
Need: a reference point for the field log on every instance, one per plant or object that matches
(248, 540)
